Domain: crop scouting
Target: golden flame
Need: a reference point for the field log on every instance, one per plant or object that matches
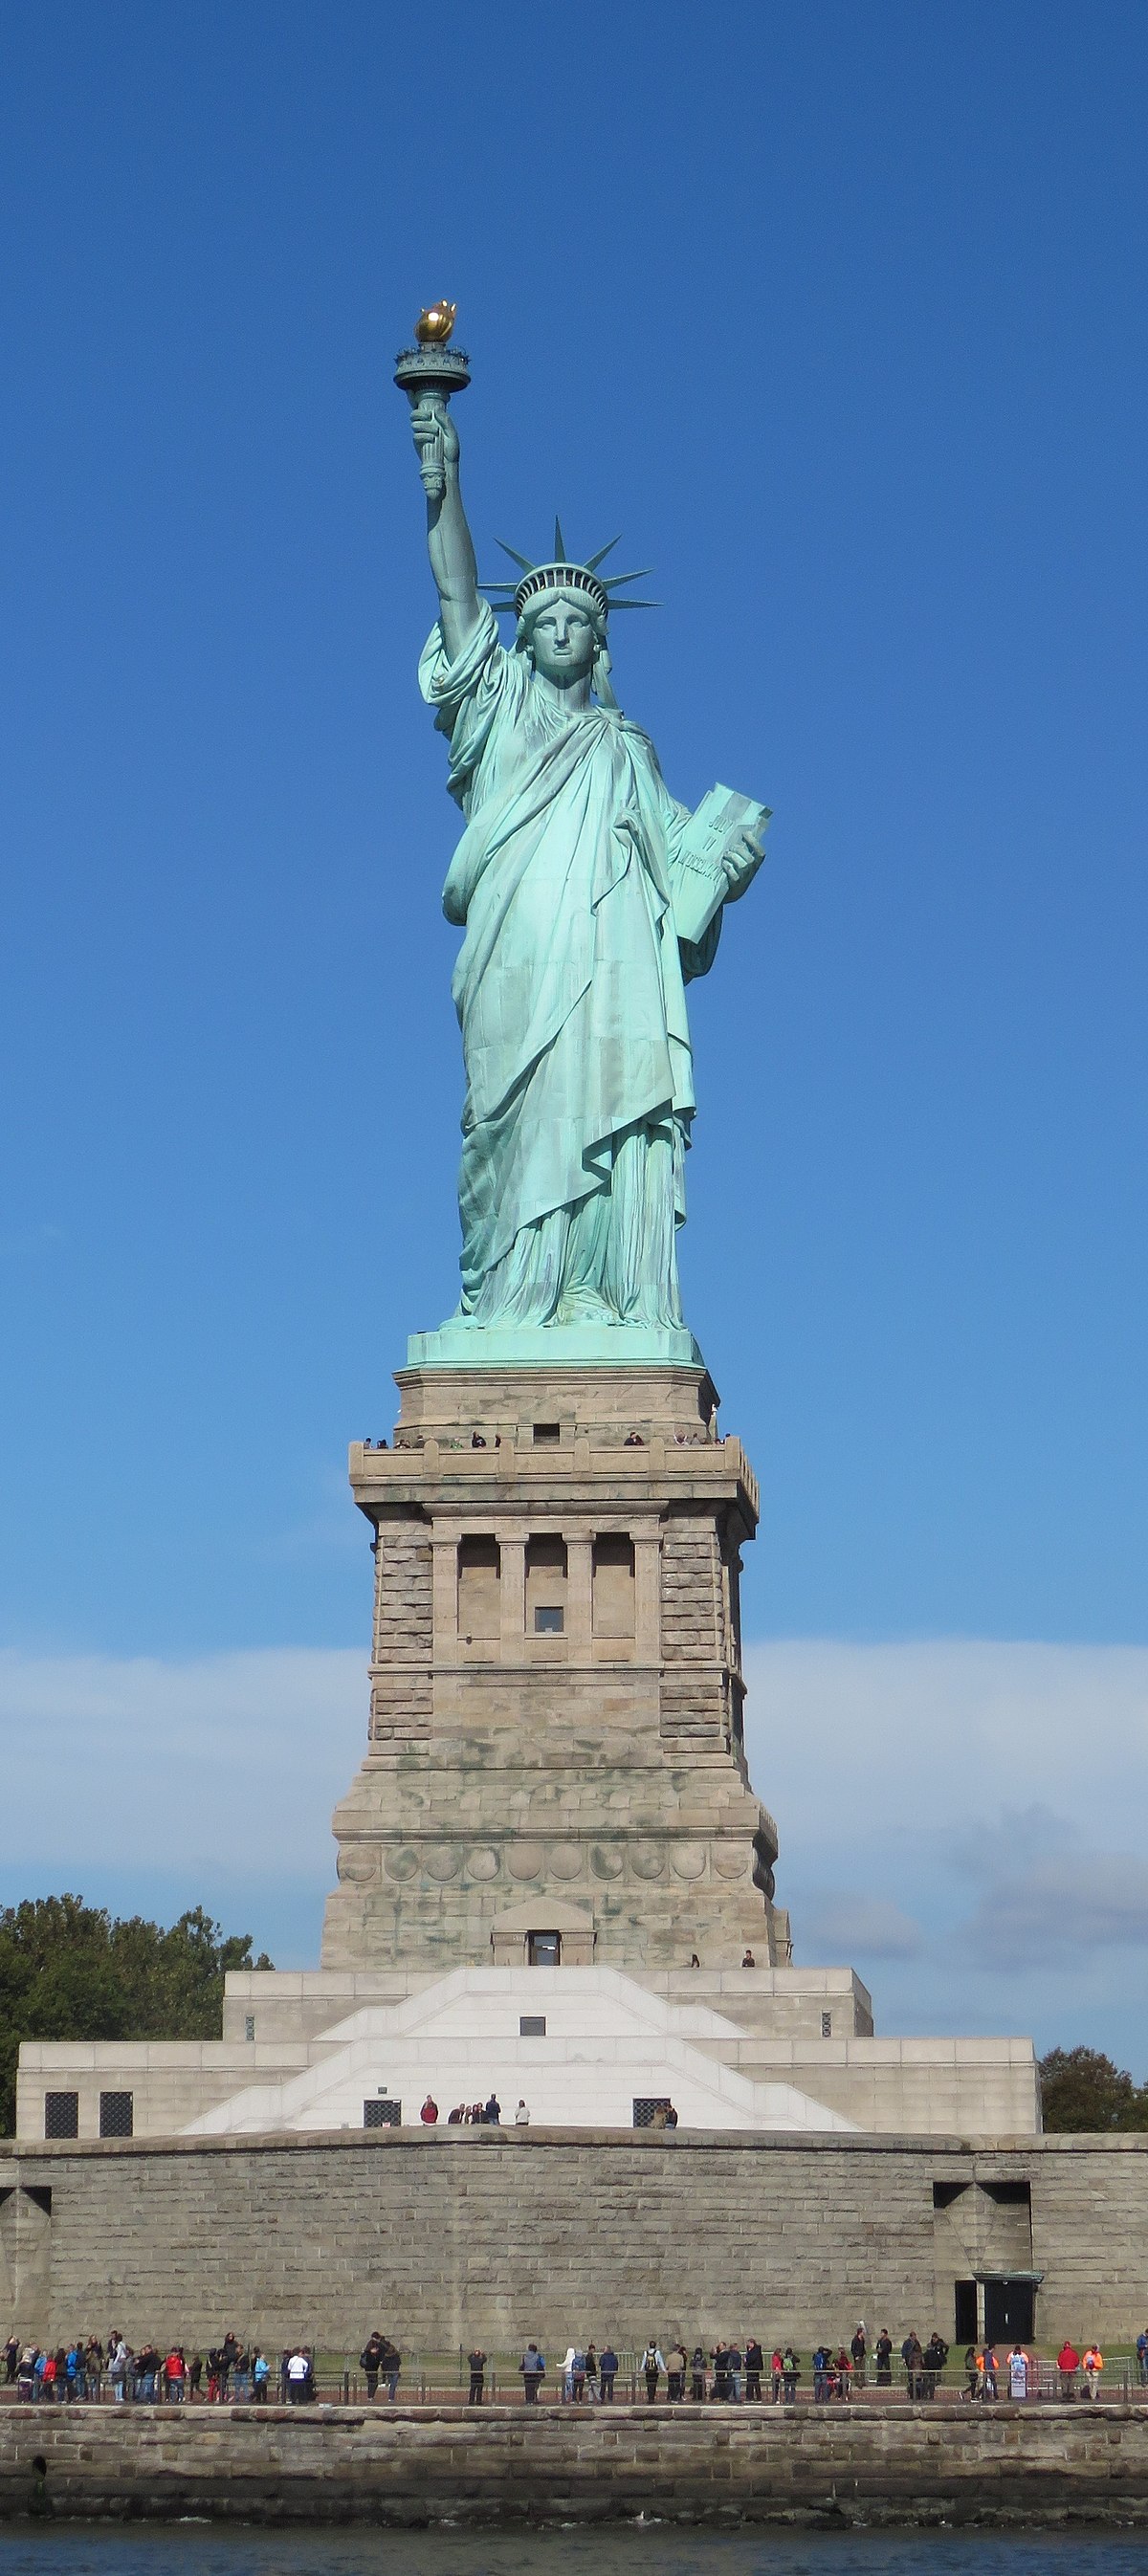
(435, 324)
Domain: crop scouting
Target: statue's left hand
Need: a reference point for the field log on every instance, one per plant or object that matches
(741, 861)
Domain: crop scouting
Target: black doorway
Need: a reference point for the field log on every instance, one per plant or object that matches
(965, 2312)
(1010, 2309)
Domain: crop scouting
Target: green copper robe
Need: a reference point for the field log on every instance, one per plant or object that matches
(569, 988)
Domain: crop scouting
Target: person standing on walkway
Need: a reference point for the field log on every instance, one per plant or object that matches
(1092, 2366)
(371, 2362)
(754, 2365)
(989, 2368)
(476, 2364)
(1068, 2363)
(652, 2367)
(790, 2374)
(883, 2355)
(859, 2354)
(533, 2369)
(390, 2364)
(607, 2372)
(1017, 2373)
(676, 2374)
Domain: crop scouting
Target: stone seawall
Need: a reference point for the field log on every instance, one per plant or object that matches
(928, 2464)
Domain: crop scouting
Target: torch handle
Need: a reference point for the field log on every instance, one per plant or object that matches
(431, 469)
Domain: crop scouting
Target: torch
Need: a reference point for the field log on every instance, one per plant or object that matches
(433, 370)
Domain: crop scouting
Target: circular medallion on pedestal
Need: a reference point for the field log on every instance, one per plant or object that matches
(401, 1863)
(483, 1862)
(566, 1860)
(356, 1864)
(648, 1860)
(606, 1860)
(688, 1860)
(524, 1860)
(442, 1860)
(732, 1860)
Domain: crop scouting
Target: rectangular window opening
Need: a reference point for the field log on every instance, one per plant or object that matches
(479, 1588)
(547, 1434)
(613, 1580)
(546, 1586)
(249, 2025)
(827, 2025)
(116, 2115)
(532, 2025)
(379, 2113)
(543, 1949)
(61, 2115)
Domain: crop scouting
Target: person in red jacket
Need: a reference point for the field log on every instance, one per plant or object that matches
(1068, 2363)
(429, 2112)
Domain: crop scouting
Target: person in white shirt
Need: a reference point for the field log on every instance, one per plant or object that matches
(522, 2115)
(1017, 2372)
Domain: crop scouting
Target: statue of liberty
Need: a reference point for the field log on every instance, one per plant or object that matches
(588, 902)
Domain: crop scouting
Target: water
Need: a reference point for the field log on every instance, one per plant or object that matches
(656, 2549)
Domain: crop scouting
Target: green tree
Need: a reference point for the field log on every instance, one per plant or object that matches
(73, 1971)
(1082, 2089)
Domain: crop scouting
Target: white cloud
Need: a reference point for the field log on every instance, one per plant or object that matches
(210, 1778)
(852, 1926)
(994, 1794)
(970, 1818)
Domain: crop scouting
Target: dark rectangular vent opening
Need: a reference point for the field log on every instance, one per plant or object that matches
(532, 2025)
(61, 2115)
(116, 2115)
(546, 1434)
(645, 2106)
(381, 2114)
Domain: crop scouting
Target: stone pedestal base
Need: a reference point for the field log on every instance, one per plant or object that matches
(555, 1764)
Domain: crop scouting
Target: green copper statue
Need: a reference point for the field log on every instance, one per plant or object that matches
(588, 898)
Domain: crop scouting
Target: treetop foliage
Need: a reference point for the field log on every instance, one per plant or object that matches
(73, 1971)
(1082, 2089)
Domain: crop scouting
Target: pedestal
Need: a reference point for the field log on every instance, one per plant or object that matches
(555, 1765)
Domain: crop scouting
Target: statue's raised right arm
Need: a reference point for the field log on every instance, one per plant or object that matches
(449, 540)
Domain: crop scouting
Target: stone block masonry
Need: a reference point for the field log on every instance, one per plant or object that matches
(445, 2235)
(851, 2466)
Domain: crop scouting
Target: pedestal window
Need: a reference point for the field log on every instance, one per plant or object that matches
(479, 1588)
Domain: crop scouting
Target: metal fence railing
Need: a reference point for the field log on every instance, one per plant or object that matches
(428, 2378)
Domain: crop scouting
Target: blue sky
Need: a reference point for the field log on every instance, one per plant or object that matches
(840, 315)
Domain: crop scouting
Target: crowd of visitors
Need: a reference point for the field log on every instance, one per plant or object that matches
(87, 2369)
(726, 2373)
(478, 2115)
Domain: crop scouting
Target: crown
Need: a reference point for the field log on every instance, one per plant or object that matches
(562, 574)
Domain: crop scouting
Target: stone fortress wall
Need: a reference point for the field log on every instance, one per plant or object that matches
(452, 2234)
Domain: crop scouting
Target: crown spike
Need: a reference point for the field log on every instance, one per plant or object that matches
(593, 561)
(522, 560)
(614, 580)
(635, 603)
(560, 554)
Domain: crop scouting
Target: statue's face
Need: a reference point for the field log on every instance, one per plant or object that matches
(562, 642)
